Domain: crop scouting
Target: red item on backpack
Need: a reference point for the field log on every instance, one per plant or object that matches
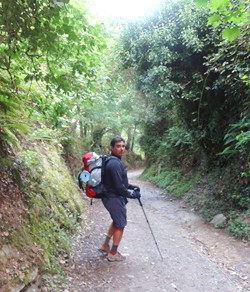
(94, 165)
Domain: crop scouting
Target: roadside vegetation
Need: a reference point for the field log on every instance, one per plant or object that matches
(192, 72)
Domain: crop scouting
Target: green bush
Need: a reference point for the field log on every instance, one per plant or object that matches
(238, 226)
(172, 180)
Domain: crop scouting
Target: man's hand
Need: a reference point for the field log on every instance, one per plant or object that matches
(134, 194)
(137, 194)
(136, 189)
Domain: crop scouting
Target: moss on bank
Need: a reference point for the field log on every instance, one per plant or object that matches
(39, 211)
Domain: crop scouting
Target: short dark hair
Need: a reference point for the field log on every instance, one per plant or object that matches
(115, 140)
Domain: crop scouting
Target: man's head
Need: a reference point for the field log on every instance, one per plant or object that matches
(118, 146)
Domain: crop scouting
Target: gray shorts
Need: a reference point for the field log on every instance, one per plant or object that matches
(117, 209)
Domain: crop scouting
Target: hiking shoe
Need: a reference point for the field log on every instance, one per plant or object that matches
(116, 257)
(104, 249)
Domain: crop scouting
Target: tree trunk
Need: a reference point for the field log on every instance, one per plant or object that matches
(133, 140)
(97, 135)
(129, 140)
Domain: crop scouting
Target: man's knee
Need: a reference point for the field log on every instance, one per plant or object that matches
(121, 228)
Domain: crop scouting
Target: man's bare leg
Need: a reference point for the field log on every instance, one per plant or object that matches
(117, 236)
(116, 233)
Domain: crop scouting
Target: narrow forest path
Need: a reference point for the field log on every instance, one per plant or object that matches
(196, 257)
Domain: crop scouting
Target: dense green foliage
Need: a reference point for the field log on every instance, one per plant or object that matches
(195, 88)
(56, 69)
(194, 81)
(49, 55)
(232, 15)
(113, 109)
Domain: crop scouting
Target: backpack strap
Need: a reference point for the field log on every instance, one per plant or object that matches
(106, 160)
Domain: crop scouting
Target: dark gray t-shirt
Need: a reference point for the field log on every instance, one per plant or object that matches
(115, 177)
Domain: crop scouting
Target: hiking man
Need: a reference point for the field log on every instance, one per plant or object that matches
(118, 190)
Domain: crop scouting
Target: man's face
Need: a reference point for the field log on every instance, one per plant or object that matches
(118, 149)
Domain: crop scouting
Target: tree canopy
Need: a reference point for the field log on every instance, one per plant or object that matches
(178, 78)
(189, 78)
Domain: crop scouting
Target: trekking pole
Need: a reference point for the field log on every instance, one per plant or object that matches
(150, 228)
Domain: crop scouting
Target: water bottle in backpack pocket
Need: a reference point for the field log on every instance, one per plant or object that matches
(91, 178)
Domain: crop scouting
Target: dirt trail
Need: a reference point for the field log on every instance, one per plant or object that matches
(196, 257)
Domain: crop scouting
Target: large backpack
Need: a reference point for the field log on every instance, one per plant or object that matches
(91, 178)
